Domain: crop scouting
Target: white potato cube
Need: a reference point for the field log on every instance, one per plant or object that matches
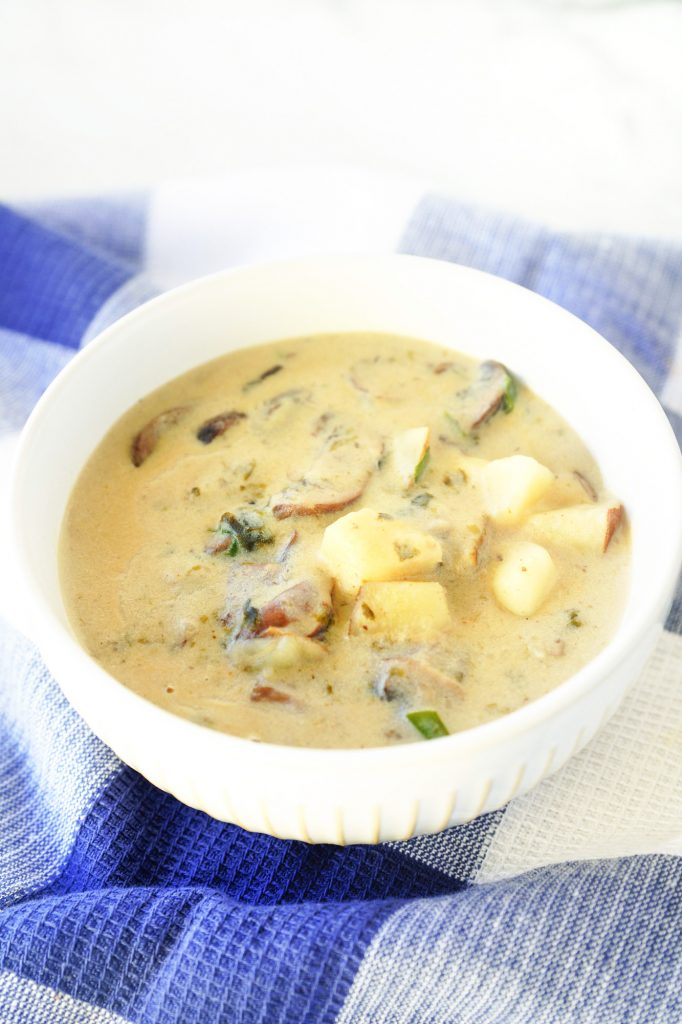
(275, 651)
(589, 527)
(400, 611)
(410, 454)
(512, 485)
(525, 578)
(364, 546)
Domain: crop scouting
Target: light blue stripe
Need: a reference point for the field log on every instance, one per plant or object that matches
(23, 1001)
(591, 943)
(52, 768)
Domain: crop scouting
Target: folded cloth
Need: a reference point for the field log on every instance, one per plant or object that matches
(121, 904)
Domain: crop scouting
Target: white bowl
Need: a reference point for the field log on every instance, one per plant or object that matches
(354, 796)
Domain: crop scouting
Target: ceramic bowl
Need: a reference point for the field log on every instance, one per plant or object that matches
(387, 793)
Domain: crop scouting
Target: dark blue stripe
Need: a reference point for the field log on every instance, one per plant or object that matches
(136, 835)
(192, 956)
(162, 913)
(51, 286)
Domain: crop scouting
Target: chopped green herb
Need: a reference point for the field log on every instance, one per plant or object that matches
(510, 394)
(422, 499)
(226, 529)
(421, 465)
(454, 423)
(428, 723)
(247, 527)
(574, 619)
(494, 390)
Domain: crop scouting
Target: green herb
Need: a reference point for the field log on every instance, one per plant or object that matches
(428, 723)
(226, 530)
(510, 394)
(421, 465)
(574, 619)
(495, 390)
(247, 526)
(454, 422)
(422, 499)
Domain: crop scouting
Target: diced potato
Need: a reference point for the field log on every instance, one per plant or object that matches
(410, 454)
(364, 546)
(400, 611)
(523, 581)
(275, 651)
(589, 527)
(512, 485)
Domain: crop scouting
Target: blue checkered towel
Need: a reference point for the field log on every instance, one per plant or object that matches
(117, 903)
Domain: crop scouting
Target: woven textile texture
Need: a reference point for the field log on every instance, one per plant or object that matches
(119, 904)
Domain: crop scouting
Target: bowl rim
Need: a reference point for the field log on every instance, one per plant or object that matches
(618, 649)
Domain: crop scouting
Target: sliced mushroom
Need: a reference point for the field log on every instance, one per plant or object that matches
(262, 376)
(217, 425)
(261, 598)
(288, 544)
(268, 693)
(146, 440)
(494, 390)
(294, 396)
(249, 584)
(336, 478)
(304, 608)
(414, 681)
(385, 377)
(586, 485)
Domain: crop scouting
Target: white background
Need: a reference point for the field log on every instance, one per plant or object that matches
(567, 112)
(570, 112)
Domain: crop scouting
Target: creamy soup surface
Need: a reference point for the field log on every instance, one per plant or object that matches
(343, 541)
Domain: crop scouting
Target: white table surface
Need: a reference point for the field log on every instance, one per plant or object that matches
(566, 111)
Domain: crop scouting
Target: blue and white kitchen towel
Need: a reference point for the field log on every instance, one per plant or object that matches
(119, 904)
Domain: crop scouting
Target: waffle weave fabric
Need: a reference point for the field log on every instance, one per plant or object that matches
(119, 904)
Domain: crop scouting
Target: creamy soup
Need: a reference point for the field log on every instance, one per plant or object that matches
(343, 541)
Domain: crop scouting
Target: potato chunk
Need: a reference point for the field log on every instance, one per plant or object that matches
(400, 611)
(364, 546)
(512, 485)
(589, 527)
(274, 651)
(410, 454)
(525, 578)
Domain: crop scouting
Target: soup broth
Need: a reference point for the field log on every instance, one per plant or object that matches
(343, 541)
